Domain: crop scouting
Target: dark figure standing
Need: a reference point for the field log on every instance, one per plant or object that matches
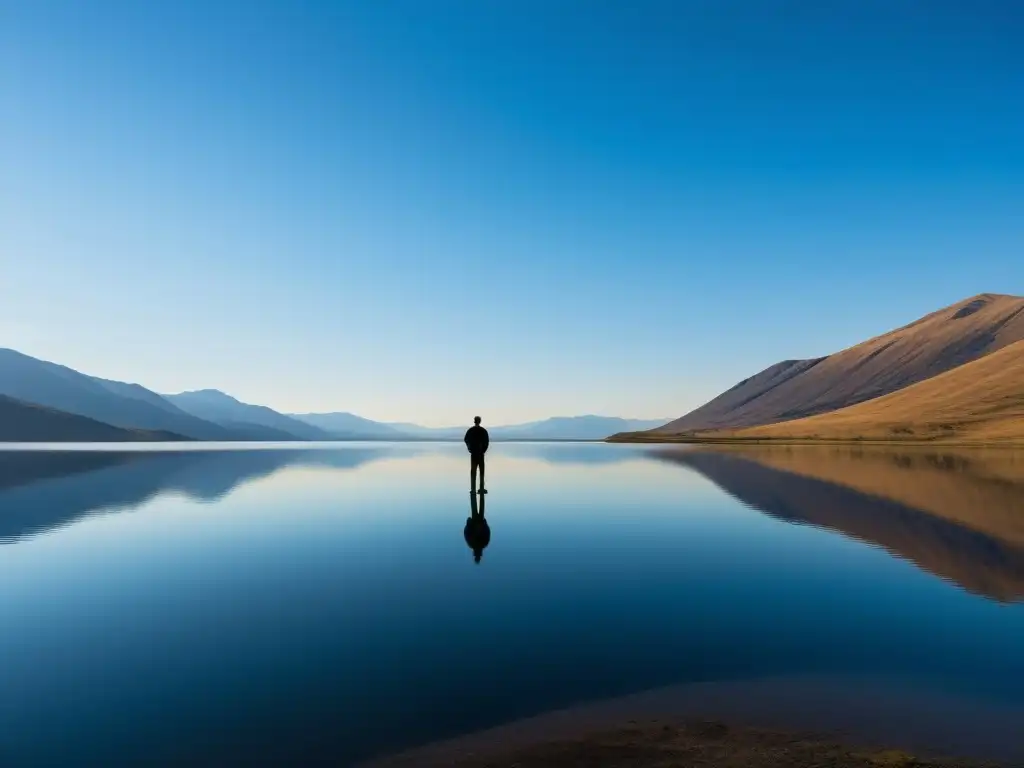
(477, 532)
(476, 440)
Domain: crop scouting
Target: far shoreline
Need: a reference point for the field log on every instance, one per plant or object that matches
(635, 439)
(184, 444)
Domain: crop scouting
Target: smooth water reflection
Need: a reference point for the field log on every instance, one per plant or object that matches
(283, 605)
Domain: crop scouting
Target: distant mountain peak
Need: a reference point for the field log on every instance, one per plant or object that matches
(969, 306)
(209, 394)
(992, 297)
(221, 408)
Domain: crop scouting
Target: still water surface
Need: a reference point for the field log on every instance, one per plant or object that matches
(235, 606)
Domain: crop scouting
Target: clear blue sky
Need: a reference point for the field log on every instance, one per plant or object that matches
(423, 209)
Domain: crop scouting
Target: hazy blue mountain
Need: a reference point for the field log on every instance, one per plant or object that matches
(208, 414)
(573, 428)
(128, 406)
(220, 408)
(428, 433)
(240, 430)
(22, 422)
(259, 433)
(138, 392)
(556, 428)
(348, 425)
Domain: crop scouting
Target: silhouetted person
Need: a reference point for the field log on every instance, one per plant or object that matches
(476, 440)
(477, 532)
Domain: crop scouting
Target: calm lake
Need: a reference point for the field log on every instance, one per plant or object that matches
(322, 605)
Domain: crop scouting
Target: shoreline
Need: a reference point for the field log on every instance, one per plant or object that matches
(871, 714)
(851, 441)
(701, 744)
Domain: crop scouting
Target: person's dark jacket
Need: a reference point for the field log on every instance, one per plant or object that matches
(477, 440)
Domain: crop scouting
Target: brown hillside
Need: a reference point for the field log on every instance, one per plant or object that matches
(982, 401)
(936, 343)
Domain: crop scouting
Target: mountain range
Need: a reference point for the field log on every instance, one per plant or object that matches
(956, 374)
(28, 422)
(42, 401)
(556, 428)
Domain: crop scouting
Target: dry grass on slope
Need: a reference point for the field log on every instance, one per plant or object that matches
(982, 401)
(942, 341)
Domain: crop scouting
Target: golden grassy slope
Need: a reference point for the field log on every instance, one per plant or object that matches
(944, 340)
(982, 401)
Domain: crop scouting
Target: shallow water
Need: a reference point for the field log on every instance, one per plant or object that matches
(321, 605)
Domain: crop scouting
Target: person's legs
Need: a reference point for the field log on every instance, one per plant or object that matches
(474, 462)
(481, 460)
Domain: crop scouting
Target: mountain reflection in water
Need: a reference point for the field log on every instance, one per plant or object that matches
(958, 515)
(318, 605)
(43, 490)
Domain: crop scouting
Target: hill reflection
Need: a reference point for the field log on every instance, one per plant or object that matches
(42, 490)
(959, 516)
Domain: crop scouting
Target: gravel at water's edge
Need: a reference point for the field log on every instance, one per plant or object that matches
(659, 744)
(876, 714)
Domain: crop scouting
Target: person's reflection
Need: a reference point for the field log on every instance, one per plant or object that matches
(477, 531)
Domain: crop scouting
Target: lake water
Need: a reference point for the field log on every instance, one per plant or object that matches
(281, 605)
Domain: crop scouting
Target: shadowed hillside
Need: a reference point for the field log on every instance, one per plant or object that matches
(26, 422)
(960, 517)
(220, 408)
(939, 342)
(128, 406)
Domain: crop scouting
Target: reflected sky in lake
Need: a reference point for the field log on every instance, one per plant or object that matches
(324, 606)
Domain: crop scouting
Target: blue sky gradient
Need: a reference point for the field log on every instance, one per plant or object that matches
(421, 210)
